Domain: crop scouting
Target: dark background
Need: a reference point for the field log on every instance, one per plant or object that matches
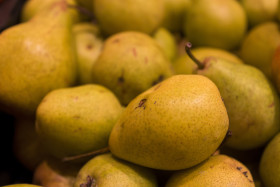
(11, 171)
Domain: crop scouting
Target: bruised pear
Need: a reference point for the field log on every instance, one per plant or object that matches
(174, 125)
(218, 170)
(76, 120)
(106, 170)
(130, 63)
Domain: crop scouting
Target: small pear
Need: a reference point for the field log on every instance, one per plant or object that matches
(54, 173)
(106, 170)
(26, 146)
(45, 59)
(260, 11)
(218, 170)
(259, 45)
(185, 65)
(167, 42)
(77, 120)
(251, 100)
(128, 15)
(215, 23)
(270, 163)
(174, 125)
(130, 63)
(89, 44)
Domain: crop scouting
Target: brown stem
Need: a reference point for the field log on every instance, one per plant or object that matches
(188, 50)
(84, 11)
(93, 153)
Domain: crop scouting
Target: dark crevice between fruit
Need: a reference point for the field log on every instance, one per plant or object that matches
(90, 182)
(228, 134)
(158, 80)
(92, 154)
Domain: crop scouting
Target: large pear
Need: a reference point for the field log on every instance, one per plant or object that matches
(36, 57)
(174, 125)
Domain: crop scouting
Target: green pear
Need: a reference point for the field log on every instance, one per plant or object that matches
(259, 45)
(126, 15)
(130, 63)
(36, 57)
(174, 125)
(167, 42)
(33, 7)
(106, 170)
(215, 23)
(76, 120)
(218, 170)
(89, 44)
(270, 163)
(251, 101)
(174, 14)
(26, 147)
(185, 65)
(55, 173)
(259, 11)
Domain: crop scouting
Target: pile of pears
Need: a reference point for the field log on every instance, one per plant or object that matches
(158, 93)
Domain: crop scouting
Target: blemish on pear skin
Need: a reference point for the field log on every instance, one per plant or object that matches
(157, 87)
(239, 168)
(146, 60)
(134, 52)
(77, 117)
(271, 105)
(89, 46)
(141, 104)
(90, 182)
(121, 80)
(116, 40)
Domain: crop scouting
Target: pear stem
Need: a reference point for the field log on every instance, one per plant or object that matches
(188, 50)
(93, 153)
(84, 11)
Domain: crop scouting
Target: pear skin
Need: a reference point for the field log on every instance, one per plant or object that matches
(174, 125)
(77, 120)
(106, 170)
(218, 170)
(45, 59)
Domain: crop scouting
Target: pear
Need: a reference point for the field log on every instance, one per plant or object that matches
(126, 15)
(54, 173)
(215, 23)
(33, 7)
(105, 170)
(260, 11)
(218, 170)
(174, 125)
(259, 45)
(270, 163)
(184, 64)
(89, 44)
(26, 147)
(36, 57)
(167, 42)
(174, 14)
(76, 120)
(250, 99)
(130, 63)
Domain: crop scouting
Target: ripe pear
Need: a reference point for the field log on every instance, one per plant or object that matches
(36, 57)
(174, 125)
(130, 63)
(106, 170)
(174, 14)
(167, 42)
(54, 173)
(33, 7)
(26, 147)
(259, 45)
(89, 44)
(126, 15)
(185, 65)
(218, 170)
(251, 101)
(275, 66)
(270, 163)
(215, 23)
(260, 11)
(76, 120)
